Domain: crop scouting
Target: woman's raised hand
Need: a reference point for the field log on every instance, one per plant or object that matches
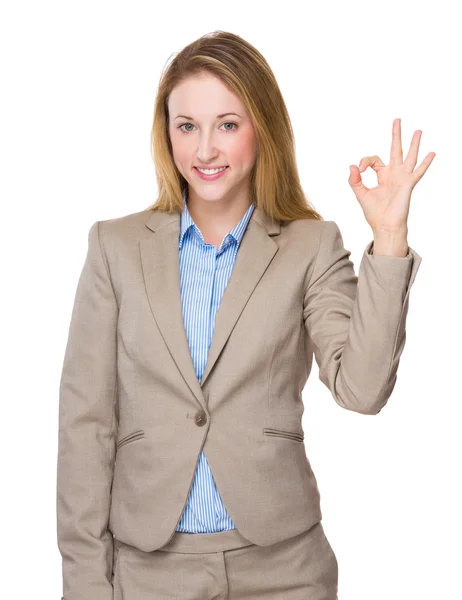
(386, 206)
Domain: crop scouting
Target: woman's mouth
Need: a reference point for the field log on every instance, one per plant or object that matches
(211, 174)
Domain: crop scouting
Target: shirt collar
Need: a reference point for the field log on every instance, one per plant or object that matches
(187, 222)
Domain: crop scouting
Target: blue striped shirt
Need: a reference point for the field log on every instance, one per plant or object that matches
(204, 274)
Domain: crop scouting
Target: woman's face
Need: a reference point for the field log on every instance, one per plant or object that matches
(201, 137)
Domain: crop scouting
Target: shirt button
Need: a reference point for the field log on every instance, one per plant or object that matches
(201, 418)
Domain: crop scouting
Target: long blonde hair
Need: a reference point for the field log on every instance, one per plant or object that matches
(275, 184)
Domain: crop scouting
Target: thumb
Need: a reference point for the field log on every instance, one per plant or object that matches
(356, 183)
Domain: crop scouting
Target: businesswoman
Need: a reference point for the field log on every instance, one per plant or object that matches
(182, 471)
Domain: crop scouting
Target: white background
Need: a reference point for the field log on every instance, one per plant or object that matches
(78, 86)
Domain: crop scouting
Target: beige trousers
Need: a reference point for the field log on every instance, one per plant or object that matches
(226, 566)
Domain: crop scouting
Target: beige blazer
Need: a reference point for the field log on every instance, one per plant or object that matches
(133, 416)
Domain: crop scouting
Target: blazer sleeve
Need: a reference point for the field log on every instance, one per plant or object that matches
(357, 323)
(86, 445)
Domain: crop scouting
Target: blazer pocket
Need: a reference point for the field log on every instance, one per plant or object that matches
(131, 437)
(290, 435)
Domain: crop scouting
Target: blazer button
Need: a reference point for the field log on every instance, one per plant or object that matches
(201, 418)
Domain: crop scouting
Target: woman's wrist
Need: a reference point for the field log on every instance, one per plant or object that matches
(390, 244)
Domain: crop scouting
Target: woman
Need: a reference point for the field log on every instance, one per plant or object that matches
(182, 470)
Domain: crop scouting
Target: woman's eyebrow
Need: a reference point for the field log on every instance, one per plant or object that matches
(218, 116)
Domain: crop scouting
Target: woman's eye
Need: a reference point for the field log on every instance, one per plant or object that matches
(184, 125)
(189, 130)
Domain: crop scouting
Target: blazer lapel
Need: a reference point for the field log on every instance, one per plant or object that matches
(254, 255)
(159, 254)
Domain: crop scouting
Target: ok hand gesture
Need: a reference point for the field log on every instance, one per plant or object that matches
(386, 206)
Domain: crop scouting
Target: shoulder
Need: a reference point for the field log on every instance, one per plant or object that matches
(320, 241)
(125, 225)
(120, 231)
(117, 235)
(317, 232)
